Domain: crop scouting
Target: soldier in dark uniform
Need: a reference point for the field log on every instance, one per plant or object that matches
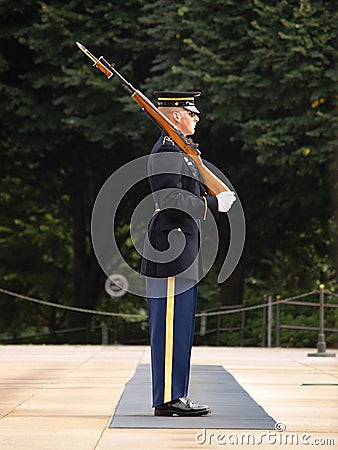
(171, 260)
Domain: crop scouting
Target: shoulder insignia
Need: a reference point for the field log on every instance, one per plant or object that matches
(167, 138)
(189, 163)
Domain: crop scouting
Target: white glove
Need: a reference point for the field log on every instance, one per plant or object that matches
(225, 200)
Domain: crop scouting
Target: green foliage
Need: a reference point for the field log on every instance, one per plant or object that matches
(61, 135)
(267, 72)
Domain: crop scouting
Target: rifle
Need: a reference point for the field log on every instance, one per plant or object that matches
(213, 184)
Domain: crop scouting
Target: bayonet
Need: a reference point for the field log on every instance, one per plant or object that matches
(86, 52)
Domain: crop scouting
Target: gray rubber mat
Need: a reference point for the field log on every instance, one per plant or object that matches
(231, 406)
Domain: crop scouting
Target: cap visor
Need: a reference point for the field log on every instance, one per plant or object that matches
(192, 109)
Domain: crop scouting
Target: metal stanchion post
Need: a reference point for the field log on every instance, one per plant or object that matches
(277, 320)
(242, 325)
(219, 323)
(321, 344)
(116, 326)
(104, 334)
(116, 286)
(269, 319)
(264, 323)
(203, 327)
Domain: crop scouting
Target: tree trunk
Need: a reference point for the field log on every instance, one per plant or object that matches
(231, 292)
(87, 276)
(334, 207)
(232, 289)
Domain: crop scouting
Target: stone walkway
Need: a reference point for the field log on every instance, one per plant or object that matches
(63, 397)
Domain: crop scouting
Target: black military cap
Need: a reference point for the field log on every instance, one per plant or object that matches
(184, 99)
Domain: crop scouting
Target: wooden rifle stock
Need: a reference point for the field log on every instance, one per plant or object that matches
(212, 183)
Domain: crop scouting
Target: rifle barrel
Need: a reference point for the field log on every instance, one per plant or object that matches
(213, 184)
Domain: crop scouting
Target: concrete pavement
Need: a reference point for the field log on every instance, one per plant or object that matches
(63, 397)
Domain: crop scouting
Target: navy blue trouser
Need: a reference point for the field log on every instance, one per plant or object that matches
(171, 309)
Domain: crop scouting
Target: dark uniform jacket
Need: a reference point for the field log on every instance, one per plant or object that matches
(172, 245)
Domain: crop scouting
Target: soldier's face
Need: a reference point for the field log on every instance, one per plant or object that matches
(186, 121)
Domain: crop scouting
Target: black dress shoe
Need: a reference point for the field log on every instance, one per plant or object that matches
(181, 407)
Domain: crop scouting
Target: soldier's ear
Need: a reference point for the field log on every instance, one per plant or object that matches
(177, 116)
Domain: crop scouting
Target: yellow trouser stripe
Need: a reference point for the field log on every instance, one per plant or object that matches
(169, 340)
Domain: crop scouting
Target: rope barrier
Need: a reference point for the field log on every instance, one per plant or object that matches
(143, 316)
(70, 308)
(331, 293)
(262, 305)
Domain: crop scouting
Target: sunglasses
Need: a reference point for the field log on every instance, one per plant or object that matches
(190, 113)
